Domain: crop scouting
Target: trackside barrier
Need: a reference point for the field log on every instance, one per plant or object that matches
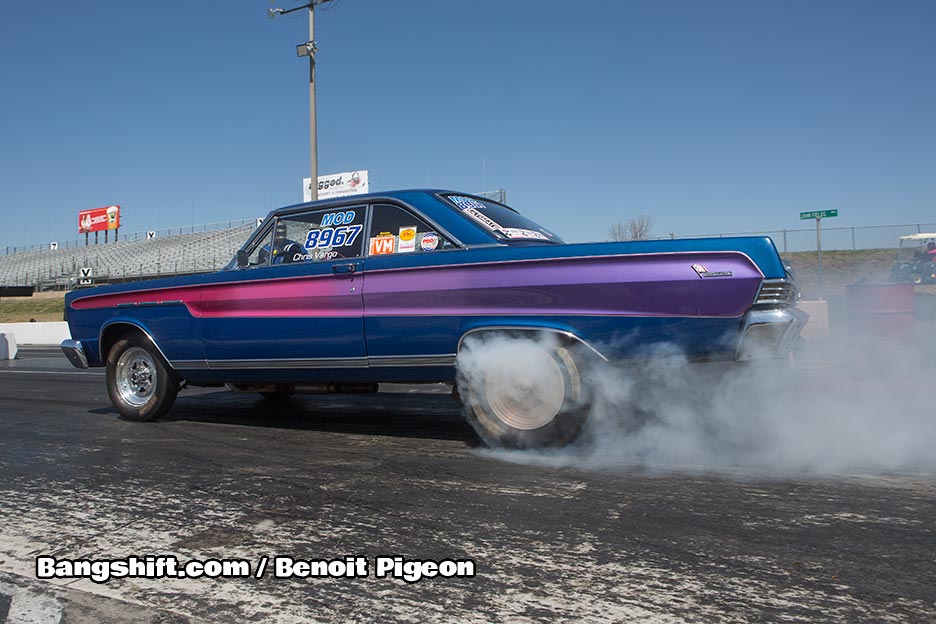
(38, 334)
(885, 311)
(817, 328)
(7, 347)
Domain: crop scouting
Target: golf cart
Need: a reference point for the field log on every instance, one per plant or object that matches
(915, 262)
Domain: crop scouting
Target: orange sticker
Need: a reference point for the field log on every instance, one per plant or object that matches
(381, 245)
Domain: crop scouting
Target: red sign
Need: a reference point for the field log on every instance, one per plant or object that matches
(97, 219)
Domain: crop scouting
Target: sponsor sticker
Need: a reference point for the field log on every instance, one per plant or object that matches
(521, 233)
(483, 219)
(407, 239)
(466, 202)
(382, 245)
(429, 241)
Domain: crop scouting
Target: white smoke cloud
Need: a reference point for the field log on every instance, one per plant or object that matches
(864, 405)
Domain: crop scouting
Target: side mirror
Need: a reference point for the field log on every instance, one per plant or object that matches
(242, 259)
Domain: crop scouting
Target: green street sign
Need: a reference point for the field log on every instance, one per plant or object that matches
(818, 214)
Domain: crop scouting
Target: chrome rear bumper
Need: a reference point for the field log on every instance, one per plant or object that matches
(75, 353)
(770, 333)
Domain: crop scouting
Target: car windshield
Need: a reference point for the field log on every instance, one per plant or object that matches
(504, 222)
(915, 248)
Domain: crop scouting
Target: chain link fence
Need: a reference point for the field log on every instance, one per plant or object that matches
(832, 238)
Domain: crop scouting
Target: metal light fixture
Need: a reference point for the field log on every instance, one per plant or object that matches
(306, 49)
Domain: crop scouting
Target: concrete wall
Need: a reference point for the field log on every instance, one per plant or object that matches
(37, 333)
(817, 328)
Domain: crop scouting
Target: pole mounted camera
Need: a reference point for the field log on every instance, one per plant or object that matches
(308, 49)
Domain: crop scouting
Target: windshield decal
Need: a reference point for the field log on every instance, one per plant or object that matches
(483, 219)
(466, 202)
(478, 210)
(473, 208)
(521, 233)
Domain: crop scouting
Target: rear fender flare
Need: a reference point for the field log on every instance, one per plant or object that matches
(563, 335)
(115, 328)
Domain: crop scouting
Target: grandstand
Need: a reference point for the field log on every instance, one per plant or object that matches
(127, 260)
(205, 248)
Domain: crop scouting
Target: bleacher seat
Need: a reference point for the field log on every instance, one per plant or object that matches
(168, 255)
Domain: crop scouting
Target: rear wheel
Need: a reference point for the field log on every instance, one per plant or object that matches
(141, 385)
(522, 393)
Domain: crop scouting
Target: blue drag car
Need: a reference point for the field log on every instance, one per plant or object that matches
(339, 295)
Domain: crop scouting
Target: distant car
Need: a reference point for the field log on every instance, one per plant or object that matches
(916, 259)
(407, 286)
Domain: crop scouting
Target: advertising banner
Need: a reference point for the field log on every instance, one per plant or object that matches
(99, 219)
(337, 185)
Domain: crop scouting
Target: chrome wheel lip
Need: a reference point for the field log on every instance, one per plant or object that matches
(136, 377)
(527, 397)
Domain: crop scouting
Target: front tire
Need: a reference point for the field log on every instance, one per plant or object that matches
(141, 385)
(522, 393)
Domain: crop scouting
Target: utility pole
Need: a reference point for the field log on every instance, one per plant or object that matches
(308, 49)
(313, 132)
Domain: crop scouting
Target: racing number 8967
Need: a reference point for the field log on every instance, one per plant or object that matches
(342, 236)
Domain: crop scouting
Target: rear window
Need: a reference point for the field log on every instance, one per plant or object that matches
(504, 222)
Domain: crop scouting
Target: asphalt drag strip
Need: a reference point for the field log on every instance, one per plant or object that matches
(360, 508)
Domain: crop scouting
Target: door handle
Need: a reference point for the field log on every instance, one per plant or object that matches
(339, 269)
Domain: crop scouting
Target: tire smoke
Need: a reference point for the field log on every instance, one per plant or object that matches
(858, 405)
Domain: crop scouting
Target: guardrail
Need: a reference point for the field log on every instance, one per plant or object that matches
(16, 291)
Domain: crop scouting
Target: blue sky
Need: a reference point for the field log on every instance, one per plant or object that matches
(709, 116)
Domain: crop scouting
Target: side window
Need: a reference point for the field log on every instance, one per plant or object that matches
(313, 237)
(333, 233)
(258, 255)
(396, 231)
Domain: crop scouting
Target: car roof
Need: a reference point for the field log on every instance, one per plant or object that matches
(365, 197)
(916, 237)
